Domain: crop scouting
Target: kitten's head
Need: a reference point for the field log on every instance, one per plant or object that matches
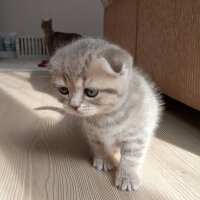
(91, 77)
(46, 25)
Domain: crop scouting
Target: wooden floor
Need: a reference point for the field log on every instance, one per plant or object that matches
(43, 155)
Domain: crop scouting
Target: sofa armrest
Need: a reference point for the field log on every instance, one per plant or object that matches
(168, 47)
(164, 38)
(120, 23)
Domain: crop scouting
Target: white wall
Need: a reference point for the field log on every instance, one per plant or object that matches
(24, 16)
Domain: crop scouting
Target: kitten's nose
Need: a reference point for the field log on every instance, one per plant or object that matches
(74, 107)
(74, 103)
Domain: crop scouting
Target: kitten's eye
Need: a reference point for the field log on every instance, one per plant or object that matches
(91, 92)
(64, 90)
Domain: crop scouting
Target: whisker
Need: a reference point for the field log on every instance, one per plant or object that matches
(47, 70)
(41, 76)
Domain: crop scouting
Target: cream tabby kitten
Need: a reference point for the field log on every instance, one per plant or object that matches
(119, 106)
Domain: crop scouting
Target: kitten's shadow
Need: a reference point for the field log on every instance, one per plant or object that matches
(60, 143)
(65, 137)
(72, 145)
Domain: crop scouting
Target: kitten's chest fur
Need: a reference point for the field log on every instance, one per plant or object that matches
(113, 127)
(109, 135)
(127, 123)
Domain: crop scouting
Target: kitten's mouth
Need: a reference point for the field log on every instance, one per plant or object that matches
(78, 112)
(74, 112)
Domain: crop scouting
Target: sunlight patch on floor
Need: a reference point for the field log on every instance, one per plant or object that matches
(20, 88)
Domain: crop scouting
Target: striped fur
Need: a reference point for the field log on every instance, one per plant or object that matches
(123, 115)
(54, 39)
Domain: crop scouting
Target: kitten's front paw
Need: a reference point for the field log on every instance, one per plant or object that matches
(103, 164)
(128, 183)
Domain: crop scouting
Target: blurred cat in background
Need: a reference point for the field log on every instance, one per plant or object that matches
(54, 39)
(119, 106)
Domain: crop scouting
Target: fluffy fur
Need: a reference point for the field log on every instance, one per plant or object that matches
(122, 116)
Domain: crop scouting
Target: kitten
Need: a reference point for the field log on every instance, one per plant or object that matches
(56, 40)
(118, 105)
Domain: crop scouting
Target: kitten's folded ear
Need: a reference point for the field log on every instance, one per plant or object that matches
(118, 59)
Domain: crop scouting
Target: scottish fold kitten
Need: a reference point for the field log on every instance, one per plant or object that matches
(119, 107)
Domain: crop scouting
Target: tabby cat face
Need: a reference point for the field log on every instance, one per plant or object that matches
(46, 25)
(86, 83)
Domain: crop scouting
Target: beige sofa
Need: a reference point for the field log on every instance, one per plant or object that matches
(164, 37)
